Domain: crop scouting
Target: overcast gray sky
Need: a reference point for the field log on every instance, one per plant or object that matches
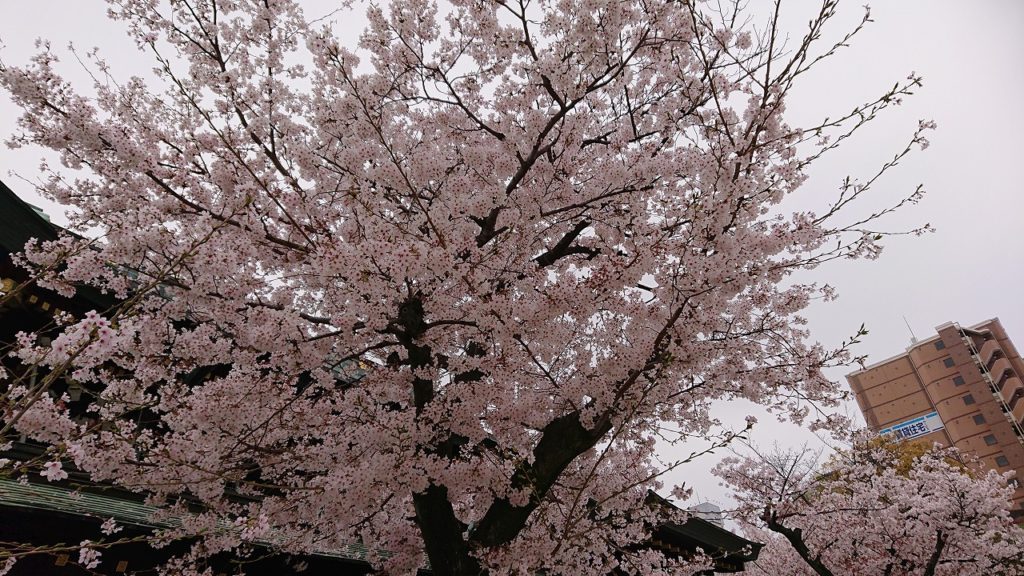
(970, 54)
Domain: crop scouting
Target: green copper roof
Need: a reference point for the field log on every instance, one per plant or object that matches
(43, 497)
(57, 499)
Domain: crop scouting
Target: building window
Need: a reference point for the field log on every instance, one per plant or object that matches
(948, 363)
(958, 380)
(939, 345)
(1002, 461)
(979, 419)
(968, 399)
(990, 440)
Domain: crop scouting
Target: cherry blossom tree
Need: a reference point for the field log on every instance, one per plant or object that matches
(879, 507)
(439, 292)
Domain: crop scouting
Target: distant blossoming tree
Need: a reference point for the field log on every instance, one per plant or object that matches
(441, 292)
(878, 508)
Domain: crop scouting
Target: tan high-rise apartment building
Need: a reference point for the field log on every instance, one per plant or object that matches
(961, 387)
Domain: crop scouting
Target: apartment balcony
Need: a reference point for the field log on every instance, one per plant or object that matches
(988, 350)
(1001, 371)
(1011, 389)
(1018, 412)
(1005, 383)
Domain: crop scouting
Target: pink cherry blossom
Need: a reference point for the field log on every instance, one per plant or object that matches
(88, 556)
(53, 472)
(876, 508)
(110, 527)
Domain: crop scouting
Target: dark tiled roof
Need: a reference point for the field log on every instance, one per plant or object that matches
(19, 222)
(697, 533)
(709, 536)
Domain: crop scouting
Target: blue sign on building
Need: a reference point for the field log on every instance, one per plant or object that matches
(915, 427)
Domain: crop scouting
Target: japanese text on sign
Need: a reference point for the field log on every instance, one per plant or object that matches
(915, 427)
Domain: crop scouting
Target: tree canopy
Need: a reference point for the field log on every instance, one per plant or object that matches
(543, 231)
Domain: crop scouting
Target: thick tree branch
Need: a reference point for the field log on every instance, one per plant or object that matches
(796, 539)
(933, 561)
(442, 534)
(441, 529)
(487, 227)
(564, 247)
(563, 439)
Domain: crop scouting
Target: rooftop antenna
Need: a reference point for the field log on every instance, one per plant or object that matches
(913, 338)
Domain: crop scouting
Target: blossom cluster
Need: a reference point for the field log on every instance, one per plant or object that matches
(877, 507)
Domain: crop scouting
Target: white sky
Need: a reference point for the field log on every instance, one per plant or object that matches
(971, 269)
